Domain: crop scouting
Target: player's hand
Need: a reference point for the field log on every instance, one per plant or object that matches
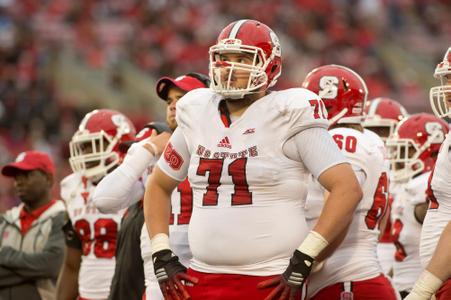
(171, 275)
(289, 284)
(155, 143)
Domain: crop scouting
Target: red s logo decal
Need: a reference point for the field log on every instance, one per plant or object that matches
(174, 159)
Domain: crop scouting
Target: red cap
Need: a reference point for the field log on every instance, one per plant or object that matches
(184, 82)
(28, 161)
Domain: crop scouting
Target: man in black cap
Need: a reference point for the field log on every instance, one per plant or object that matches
(125, 185)
(32, 240)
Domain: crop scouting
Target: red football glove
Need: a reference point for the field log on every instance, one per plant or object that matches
(289, 284)
(171, 275)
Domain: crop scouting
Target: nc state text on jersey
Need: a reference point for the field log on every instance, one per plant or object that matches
(207, 153)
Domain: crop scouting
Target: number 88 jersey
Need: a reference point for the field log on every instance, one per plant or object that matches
(97, 233)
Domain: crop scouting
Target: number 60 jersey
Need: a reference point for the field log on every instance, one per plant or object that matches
(248, 196)
(356, 257)
(97, 233)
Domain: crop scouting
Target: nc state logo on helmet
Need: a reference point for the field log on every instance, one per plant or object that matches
(415, 145)
(252, 38)
(382, 115)
(94, 148)
(440, 96)
(343, 91)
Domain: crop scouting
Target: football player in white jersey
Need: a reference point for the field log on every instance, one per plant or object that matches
(247, 153)
(439, 212)
(413, 151)
(91, 236)
(381, 117)
(353, 270)
(126, 183)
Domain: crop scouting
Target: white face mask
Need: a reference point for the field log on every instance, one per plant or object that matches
(223, 73)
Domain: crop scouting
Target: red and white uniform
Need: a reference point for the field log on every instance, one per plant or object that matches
(125, 185)
(385, 247)
(356, 258)
(406, 231)
(248, 197)
(97, 232)
(439, 212)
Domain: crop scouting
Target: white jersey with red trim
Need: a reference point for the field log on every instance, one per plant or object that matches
(406, 231)
(97, 233)
(439, 212)
(385, 247)
(355, 259)
(248, 197)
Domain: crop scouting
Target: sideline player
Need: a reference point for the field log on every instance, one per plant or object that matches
(90, 235)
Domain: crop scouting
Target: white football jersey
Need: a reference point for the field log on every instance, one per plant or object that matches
(406, 231)
(385, 247)
(248, 197)
(439, 212)
(356, 258)
(97, 232)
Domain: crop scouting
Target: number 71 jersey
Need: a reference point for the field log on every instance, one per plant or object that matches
(247, 194)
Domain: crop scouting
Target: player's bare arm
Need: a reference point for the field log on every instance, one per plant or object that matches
(67, 286)
(344, 196)
(157, 202)
(157, 208)
(437, 271)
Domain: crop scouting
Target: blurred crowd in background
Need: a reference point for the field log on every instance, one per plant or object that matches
(62, 58)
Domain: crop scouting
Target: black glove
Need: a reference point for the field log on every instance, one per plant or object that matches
(171, 274)
(289, 284)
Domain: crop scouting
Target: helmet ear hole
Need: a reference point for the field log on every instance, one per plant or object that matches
(273, 68)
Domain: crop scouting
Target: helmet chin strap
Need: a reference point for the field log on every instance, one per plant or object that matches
(334, 120)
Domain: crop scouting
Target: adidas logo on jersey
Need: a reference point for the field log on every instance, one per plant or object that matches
(225, 143)
(249, 131)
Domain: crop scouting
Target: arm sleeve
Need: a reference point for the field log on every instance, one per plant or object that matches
(46, 263)
(123, 187)
(9, 277)
(176, 156)
(315, 148)
(70, 236)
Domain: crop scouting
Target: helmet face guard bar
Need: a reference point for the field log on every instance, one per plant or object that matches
(222, 73)
(439, 100)
(95, 163)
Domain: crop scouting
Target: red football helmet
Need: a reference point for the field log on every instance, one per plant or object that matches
(440, 96)
(94, 148)
(415, 145)
(382, 115)
(343, 92)
(249, 37)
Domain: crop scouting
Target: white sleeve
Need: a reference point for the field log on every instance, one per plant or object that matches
(316, 149)
(174, 161)
(123, 187)
(360, 174)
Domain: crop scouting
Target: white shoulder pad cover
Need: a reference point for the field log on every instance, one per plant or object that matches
(366, 149)
(296, 106)
(416, 189)
(68, 184)
(190, 106)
